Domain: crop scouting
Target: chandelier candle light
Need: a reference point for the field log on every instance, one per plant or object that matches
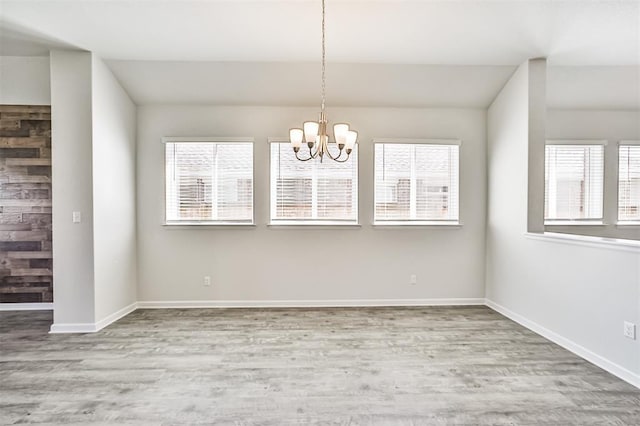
(314, 133)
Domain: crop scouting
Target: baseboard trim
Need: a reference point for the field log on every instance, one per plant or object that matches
(581, 351)
(89, 327)
(307, 303)
(116, 316)
(93, 326)
(26, 306)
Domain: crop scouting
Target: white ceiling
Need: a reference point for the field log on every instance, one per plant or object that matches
(383, 31)
(420, 53)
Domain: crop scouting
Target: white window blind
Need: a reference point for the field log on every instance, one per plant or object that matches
(416, 182)
(573, 182)
(209, 182)
(629, 183)
(311, 191)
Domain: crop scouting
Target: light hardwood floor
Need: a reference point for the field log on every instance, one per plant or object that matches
(358, 366)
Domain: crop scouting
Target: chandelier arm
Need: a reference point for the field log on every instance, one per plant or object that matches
(303, 159)
(341, 161)
(331, 156)
(314, 154)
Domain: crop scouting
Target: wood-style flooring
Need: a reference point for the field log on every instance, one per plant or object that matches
(335, 366)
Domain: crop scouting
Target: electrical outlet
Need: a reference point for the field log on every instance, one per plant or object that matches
(76, 217)
(630, 330)
(207, 281)
(413, 279)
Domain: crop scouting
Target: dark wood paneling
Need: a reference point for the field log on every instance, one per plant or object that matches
(6, 246)
(19, 152)
(25, 204)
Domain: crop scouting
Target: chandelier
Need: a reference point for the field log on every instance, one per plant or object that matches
(314, 133)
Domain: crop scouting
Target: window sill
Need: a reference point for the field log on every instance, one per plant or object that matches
(209, 225)
(589, 241)
(312, 224)
(419, 223)
(628, 223)
(574, 223)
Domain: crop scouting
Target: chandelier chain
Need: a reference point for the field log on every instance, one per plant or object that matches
(314, 133)
(323, 59)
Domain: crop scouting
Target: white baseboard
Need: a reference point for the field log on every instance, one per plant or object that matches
(93, 326)
(89, 327)
(306, 303)
(26, 306)
(116, 316)
(581, 351)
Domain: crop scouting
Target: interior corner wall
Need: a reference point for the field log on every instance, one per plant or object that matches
(580, 294)
(267, 264)
(72, 176)
(114, 195)
(25, 80)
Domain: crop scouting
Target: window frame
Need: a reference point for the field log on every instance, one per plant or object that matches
(208, 223)
(273, 222)
(619, 222)
(576, 222)
(449, 223)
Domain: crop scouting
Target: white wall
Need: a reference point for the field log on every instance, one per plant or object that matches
(580, 293)
(114, 234)
(71, 120)
(593, 87)
(268, 263)
(610, 125)
(93, 165)
(295, 84)
(24, 80)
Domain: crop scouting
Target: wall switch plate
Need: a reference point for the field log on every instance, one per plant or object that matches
(207, 281)
(413, 279)
(630, 330)
(76, 217)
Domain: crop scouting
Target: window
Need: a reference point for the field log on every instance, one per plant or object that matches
(573, 183)
(416, 183)
(209, 182)
(629, 183)
(312, 192)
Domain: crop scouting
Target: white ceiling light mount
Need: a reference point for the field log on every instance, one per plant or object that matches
(314, 133)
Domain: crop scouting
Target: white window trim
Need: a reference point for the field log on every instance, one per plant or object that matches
(302, 223)
(418, 141)
(619, 222)
(581, 222)
(212, 139)
(602, 142)
(418, 223)
(210, 224)
(574, 222)
(410, 222)
(624, 223)
(204, 224)
(297, 223)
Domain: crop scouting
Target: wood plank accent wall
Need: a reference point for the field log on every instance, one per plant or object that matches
(25, 204)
